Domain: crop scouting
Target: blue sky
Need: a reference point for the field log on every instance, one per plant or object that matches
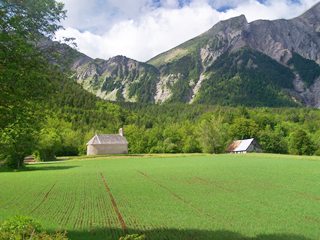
(141, 29)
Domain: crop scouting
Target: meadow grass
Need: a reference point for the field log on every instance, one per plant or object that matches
(253, 196)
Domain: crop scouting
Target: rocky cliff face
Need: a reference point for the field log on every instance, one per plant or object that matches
(278, 39)
(119, 79)
(229, 64)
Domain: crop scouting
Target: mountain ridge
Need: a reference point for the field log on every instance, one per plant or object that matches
(183, 73)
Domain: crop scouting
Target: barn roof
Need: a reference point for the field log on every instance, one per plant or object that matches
(240, 145)
(99, 139)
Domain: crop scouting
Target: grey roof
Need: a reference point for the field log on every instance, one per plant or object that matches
(107, 139)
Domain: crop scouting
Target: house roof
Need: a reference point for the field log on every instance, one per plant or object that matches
(101, 139)
(240, 145)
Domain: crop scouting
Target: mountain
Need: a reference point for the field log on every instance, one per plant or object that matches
(119, 79)
(262, 63)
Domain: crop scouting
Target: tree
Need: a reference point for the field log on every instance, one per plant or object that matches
(155, 140)
(172, 139)
(189, 138)
(316, 140)
(57, 138)
(136, 138)
(213, 135)
(25, 74)
(272, 141)
(301, 144)
(243, 128)
(17, 139)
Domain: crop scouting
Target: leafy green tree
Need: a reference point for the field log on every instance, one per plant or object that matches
(57, 138)
(243, 128)
(213, 135)
(136, 138)
(25, 74)
(189, 138)
(49, 143)
(172, 139)
(272, 141)
(301, 144)
(316, 140)
(155, 140)
(17, 139)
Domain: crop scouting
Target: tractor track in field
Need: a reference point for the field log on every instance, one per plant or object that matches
(44, 198)
(307, 196)
(312, 219)
(114, 204)
(215, 184)
(189, 204)
(17, 201)
(221, 186)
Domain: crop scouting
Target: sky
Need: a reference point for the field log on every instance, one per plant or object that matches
(141, 29)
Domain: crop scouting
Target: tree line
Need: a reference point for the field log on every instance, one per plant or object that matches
(180, 128)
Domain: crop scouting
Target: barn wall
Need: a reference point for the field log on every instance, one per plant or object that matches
(251, 148)
(254, 148)
(107, 149)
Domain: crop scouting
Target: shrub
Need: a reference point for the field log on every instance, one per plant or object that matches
(133, 237)
(23, 228)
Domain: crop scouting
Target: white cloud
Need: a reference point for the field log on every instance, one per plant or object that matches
(273, 9)
(141, 31)
(99, 15)
(170, 3)
(152, 33)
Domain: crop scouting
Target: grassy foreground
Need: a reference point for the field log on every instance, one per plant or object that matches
(225, 197)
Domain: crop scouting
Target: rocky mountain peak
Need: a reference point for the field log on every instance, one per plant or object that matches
(239, 20)
(232, 23)
(311, 18)
(312, 12)
(119, 59)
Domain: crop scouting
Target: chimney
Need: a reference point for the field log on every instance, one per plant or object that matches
(121, 132)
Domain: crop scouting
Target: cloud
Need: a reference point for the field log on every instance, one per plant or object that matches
(270, 9)
(99, 15)
(148, 27)
(148, 35)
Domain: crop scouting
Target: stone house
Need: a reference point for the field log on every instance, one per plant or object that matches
(103, 144)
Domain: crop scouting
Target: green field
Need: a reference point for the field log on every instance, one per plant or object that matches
(265, 197)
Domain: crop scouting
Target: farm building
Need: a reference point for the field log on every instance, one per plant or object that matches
(102, 144)
(244, 146)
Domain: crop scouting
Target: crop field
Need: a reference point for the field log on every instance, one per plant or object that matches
(224, 197)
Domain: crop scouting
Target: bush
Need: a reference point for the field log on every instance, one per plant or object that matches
(44, 155)
(133, 237)
(317, 152)
(67, 151)
(23, 228)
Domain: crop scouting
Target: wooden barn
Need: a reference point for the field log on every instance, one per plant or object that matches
(244, 146)
(102, 144)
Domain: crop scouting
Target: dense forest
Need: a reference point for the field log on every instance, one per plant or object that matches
(180, 128)
(44, 112)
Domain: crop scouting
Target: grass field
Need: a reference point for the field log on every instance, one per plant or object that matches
(250, 197)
